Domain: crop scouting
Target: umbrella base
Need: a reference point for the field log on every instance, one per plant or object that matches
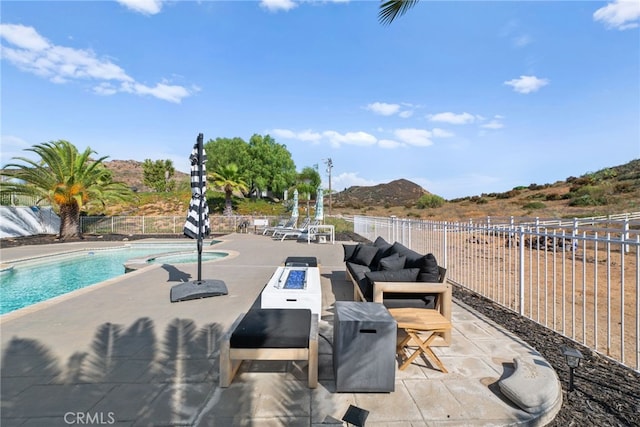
(198, 289)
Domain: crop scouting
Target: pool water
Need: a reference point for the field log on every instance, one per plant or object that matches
(28, 283)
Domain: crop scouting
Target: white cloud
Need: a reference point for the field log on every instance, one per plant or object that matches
(417, 137)
(522, 40)
(306, 135)
(527, 84)
(350, 138)
(621, 14)
(383, 109)
(147, 7)
(349, 179)
(493, 124)
(406, 114)
(389, 143)
(34, 54)
(441, 133)
(275, 5)
(452, 118)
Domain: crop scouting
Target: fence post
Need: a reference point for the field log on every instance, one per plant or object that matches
(444, 244)
(521, 269)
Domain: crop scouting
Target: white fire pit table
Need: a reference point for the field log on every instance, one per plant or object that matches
(294, 287)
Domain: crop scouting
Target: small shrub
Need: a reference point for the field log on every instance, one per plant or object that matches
(482, 201)
(429, 201)
(534, 205)
(553, 196)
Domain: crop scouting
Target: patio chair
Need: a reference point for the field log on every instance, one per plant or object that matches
(297, 232)
(279, 233)
(289, 224)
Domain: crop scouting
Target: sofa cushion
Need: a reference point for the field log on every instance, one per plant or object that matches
(413, 257)
(349, 251)
(381, 243)
(364, 254)
(273, 328)
(404, 275)
(429, 271)
(392, 262)
(402, 300)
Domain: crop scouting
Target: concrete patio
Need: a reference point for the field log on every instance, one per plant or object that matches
(120, 353)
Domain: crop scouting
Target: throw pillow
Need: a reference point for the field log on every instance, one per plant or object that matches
(429, 271)
(381, 243)
(364, 254)
(392, 262)
(404, 275)
(349, 251)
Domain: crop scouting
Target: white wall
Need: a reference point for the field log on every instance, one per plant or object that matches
(27, 221)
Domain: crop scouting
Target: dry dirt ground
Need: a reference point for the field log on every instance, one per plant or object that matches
(605, 392)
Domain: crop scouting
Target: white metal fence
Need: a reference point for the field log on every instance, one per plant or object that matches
(163, 224)
(579, 278)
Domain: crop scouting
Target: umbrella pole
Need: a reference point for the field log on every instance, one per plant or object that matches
(200, 231)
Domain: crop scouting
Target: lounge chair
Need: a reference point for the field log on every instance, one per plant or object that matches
(296, 233)
(278, 233)
(290, 224)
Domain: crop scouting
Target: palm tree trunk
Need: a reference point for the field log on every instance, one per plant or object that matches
(228, 205)
(69, 220)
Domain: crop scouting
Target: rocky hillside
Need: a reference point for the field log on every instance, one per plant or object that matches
(400, 192)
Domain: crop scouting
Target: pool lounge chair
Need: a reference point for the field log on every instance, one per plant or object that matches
(278, 233)
(290, 224)
(296, 233)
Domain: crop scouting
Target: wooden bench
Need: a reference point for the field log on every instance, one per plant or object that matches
(270, 334)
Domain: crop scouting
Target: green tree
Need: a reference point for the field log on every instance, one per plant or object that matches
(158, 174)
(307, 183)
(69, 180)
(392, 9)
(223, 151)
(229, 179)
(271, 166)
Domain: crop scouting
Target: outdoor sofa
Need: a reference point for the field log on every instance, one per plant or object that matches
(396, 276)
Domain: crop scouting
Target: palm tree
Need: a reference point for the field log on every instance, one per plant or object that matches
(229, 179)
(391, 9)
(67, 179)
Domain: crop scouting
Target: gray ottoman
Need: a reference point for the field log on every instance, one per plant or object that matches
(364, 347)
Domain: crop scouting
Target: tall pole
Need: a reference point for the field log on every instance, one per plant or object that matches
(200, 207)
(329, 167)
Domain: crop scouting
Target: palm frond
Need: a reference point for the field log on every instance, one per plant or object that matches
(391, 9)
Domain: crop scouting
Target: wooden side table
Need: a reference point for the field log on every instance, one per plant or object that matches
(415, 321)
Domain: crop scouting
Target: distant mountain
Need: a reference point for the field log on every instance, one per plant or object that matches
(400, 192)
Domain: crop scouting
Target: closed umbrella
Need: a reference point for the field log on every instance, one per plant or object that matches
(319, 205)
(295, 211)
(197, 227)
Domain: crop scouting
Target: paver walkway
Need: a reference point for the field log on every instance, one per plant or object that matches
(120, 353)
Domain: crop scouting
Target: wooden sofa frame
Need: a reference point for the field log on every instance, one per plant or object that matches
(441, 288)
(231, 358)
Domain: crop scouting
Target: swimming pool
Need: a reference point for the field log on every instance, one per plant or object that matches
(33, 281)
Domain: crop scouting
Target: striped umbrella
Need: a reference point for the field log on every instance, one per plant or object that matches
(295, 211)
(319, 205)
(197, 225)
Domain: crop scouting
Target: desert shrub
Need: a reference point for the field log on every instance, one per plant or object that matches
(588, 195)
(623, 187)
(534, 205)
(413, 214)
(429, 201)
(552, 196)
(535, 187)
(482, 201)
(509, 194)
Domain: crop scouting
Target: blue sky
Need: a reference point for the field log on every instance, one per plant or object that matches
(462, 98)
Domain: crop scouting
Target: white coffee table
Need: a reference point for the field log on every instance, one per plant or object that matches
(294, 287)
